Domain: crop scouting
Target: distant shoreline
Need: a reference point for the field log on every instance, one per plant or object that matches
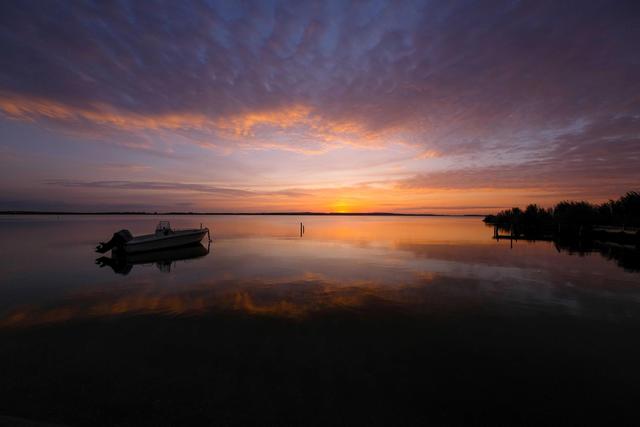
(239, 213)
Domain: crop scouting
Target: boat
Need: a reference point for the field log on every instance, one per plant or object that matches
(164, 259)
(163, 238)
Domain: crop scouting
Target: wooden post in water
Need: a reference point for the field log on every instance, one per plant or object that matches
(511, 235)
(300, 229)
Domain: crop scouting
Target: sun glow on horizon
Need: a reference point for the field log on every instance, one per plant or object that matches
(341, 206)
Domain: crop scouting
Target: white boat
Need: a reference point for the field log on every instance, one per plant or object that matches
(163, 238)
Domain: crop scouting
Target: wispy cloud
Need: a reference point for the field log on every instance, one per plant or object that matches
(124, 167)
(169, 187)
(507, 95)
(600, 160)
(443, 73)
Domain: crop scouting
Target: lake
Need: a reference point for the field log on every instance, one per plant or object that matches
(360, 320)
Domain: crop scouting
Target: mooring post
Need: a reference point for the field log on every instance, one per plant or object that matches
(301, 229)
(511, 235)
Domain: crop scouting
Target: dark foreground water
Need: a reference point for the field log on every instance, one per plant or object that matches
(363, 320)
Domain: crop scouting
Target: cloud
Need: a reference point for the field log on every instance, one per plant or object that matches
(506, 95)
(124, 167)
(451, 76)
(31, 109)
(269, 129)
(600, 160)
(155, 186)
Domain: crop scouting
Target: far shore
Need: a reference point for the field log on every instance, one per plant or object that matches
(241, 213)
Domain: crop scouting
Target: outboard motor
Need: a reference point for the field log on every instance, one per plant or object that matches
(117, 241)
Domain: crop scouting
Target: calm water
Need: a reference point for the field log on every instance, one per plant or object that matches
(374, 320)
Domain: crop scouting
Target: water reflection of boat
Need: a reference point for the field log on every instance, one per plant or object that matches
(122, 262)
(163, 238)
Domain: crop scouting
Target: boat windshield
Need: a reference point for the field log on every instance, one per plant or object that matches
(163, 227)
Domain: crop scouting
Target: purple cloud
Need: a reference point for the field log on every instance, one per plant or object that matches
(514, 94)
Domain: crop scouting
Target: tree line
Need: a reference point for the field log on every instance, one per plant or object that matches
(570, 217)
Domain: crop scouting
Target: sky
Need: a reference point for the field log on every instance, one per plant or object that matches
(385, 106)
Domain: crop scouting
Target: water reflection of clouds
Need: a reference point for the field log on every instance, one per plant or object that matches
(353, 264)
(311, 294)
(293, 297)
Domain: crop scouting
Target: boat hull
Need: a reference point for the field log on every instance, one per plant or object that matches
(172, 240)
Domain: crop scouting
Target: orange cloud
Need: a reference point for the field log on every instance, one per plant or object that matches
(31, 109)
(245, 124)
(429, 154)
(249, 126)
(302, 123)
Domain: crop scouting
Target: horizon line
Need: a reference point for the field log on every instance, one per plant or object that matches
(308, 213)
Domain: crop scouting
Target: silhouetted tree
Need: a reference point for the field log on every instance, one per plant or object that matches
(575, 213)
(570, 217)
(629, 208)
